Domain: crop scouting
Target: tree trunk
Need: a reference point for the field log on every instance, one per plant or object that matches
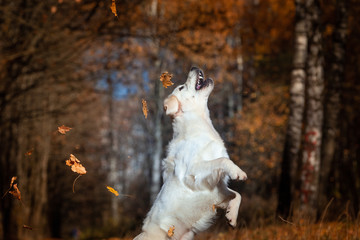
(310, 169)
(291, 152)
(113, 149)
(157, 154)
(332, 101)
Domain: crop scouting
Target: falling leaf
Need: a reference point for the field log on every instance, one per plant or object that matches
(75, 165)
(27, 227)
(28, 153)
(16, 192)
(63, 129)
(144, 108)
(214, 208)
(171, 231)
(53, 9)
(13, 179)
(113, 8)
(112, 191)
(165, 78)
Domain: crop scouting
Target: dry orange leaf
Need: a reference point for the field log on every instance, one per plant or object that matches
(165, 78)
(113, 8)
(75, 165)
(112, 191)
(12, 181)
(171, 231)
(214, 207)
(144, 108)
(16, 192)
(63, 129)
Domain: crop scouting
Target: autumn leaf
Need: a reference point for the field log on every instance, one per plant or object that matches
(171, 231)
(13, 179)
(112, 191)
(113, 8)
(144, 108)
(214, 208)
(53, 9)
(165, 78)
(27, 227)
(16, 192)
(75, 165)
(28, 153)
(63, 129)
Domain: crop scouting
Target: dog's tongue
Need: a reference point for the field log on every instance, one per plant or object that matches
(198, 86)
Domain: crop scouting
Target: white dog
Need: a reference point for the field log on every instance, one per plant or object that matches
(195, 171)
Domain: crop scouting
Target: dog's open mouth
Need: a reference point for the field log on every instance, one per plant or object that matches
(201, 82)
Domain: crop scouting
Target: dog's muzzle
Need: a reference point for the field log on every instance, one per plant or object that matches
(200, 81)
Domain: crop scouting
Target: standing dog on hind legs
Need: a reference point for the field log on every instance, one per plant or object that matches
(195, 171)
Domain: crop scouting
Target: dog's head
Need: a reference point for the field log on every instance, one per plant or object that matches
(190, 97)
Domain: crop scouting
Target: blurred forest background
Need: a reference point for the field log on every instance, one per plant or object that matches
(286, 102)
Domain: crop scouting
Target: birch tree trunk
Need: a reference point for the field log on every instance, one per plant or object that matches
(332, 103)
(310, 169)
(291, 152)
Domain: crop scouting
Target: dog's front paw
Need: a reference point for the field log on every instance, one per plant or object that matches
(237, 174)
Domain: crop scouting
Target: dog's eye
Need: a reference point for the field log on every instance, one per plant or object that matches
(181, 88)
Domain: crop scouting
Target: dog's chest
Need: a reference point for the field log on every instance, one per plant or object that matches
(187, 151)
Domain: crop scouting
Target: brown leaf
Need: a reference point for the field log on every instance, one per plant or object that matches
(171, 231)
(165, 78)
(63, 129)
(144, 108)
(13, 179)
(16, 192)
(75, 165)
(113, 8)
(27, 227)
(53, 9)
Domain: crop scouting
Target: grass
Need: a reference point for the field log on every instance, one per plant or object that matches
(301, 231)
(287, 231)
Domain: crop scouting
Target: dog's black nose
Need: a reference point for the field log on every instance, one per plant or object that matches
(194, 68)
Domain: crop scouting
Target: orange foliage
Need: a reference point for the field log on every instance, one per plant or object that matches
(259, 133)
(267, 26)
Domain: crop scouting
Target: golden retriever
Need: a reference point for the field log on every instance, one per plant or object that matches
(196, 169)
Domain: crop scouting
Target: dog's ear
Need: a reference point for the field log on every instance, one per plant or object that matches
(172, 105)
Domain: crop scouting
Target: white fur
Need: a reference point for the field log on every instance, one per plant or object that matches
(195, 170)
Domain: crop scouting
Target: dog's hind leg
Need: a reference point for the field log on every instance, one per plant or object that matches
(232, 209)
